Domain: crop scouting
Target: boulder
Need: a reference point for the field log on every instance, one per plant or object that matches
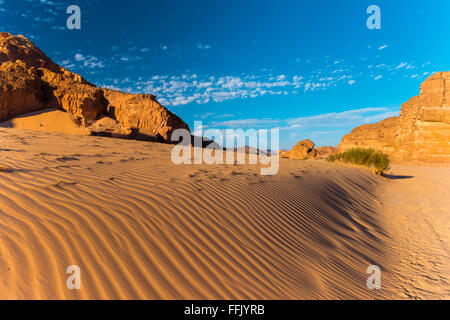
(302, 150)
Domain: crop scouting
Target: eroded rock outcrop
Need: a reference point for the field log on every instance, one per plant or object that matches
(144, 112)
(21, 90)
(13, 48)
(304, 149)
(379, 136)
(323, 152)
(30, 81)
(421, 132)
(84, 103)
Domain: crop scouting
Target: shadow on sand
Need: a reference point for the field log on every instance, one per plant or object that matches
(9, 123)
(395, 177)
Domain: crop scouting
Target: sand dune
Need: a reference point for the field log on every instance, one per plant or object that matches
(140, 227)
(49, 120)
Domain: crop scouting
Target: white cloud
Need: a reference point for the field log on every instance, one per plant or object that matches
(204, 46)
(189, 88)
(334, 119)
(87, 61)
(401, 65)
(330, 123)
(79, 57)
(382, 47)
(245, 123)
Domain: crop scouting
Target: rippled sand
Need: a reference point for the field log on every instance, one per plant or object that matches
(140, 227)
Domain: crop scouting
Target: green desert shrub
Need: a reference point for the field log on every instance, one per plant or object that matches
(365, 157)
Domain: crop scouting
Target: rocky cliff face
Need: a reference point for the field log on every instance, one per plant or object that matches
(421, 132)
(21, 90)
(30, 81)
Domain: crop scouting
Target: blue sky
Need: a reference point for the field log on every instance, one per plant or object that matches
(311, 68)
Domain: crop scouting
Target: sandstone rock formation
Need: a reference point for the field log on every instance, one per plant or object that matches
(13, 48)
(323, 152)
(30, 81)
(144, 112)
(20, 90)
(421, 132)
(302, 150)
(84, 103)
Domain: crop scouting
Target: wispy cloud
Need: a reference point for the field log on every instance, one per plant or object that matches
(340, 119)
(401, 65)
(188, 88)
(245, 123)
(192, 88)
(316, 126)
(87, 61)
(353, 117)
(203, 46)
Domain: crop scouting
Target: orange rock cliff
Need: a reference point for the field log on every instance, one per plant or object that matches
(31, 81)
(421, 132)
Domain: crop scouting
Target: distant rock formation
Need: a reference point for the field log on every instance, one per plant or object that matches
(302, 150)
(305, 149)
(323, 152)
(30, 81)
(421, 132)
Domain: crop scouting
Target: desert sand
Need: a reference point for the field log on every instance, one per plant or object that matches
(141, 227)
(49, 120)
(417, 211)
